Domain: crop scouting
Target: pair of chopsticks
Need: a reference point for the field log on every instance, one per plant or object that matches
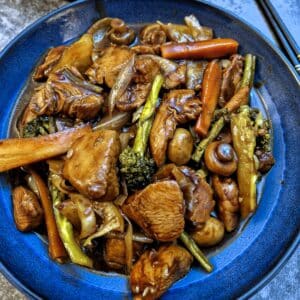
(283, 34)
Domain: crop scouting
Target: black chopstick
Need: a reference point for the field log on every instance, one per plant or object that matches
(284, 29)
(284, 41)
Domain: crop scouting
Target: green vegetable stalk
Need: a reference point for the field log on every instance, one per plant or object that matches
(213, 133)
(249, 70)
(66, 233)
(244, 142)
(146, 118)
(136, 168)
(197, 253)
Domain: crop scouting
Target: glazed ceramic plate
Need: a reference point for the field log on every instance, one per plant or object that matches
(254, 253)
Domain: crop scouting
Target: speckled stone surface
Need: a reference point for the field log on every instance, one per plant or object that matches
(15, 15)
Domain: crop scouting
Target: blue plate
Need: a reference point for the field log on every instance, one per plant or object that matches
(256, 252)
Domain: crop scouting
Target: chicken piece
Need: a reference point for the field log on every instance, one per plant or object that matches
(194, 74)
(68, 93)
(161, 133)
(266, 160)
(202, 204)
(28, 213)
(115, 253)
(156, 271)
(158, 209)
(176, 78)
(107, 67)
(90, 165)
(51, 59)
(232, 77)
(197, 193)
(178, 106)
(228, 201)
(138, 90)
(174, 74)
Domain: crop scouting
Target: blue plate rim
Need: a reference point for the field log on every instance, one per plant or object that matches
(292, 247)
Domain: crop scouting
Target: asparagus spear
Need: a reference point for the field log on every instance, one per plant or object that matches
(136, 168)
(215, 130)
(249, 70)
(146, 118)
(197, 253)
(66, 233)
(244, 142)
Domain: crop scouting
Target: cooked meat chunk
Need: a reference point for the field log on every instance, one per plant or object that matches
(134, 97)
(197, 193)
(66, 92)
(194, 74)
(232, 77)
(158, 209)
(266, 160)
(145, 69)
(90, 165)
(176, 78)
(52, 57)
(115, 252)
(162, 132)
(198, 210)
(156, 271)
(107, 67)
(178, 106)
(28, 213)
(228, 201)
(174, 74)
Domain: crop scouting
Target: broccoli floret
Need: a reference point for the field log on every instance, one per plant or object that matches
(42, 125)
(136, 169)
(135, 166)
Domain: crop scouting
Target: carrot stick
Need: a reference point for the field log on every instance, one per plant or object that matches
(210, 92)
(214, 48)
(56, 248)
(18, 152)
(238, 99)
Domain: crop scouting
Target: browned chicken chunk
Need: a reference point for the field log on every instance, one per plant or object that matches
(232, 77)
(158, 209)
(197, 193)
(52, 57)
(201, 205)
(28, 213)
(156, 271)
(228, 201)
(90, 165)
(145, 69)
(115, 252)
(179, 106)
(107, 67)
(68, 93)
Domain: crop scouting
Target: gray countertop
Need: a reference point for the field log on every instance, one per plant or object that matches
(15, 15)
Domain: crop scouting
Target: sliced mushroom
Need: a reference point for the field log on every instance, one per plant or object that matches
(153, 34)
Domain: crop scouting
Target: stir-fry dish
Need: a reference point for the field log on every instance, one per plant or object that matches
(138, 149)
